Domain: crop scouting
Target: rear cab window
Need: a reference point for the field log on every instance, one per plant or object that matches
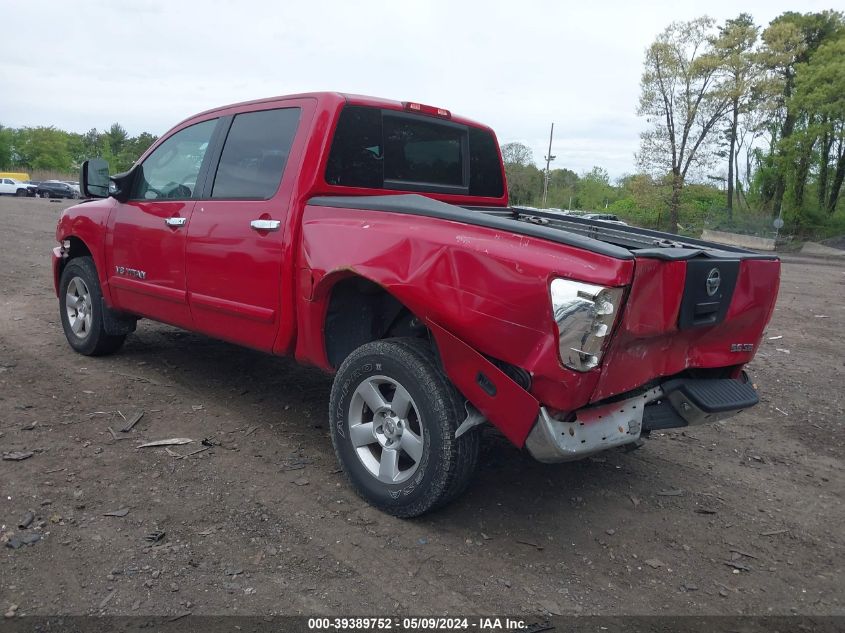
(386, 149)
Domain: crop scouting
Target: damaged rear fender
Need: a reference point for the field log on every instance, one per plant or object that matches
(508, 406)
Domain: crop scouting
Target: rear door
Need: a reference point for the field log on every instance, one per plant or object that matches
(146, 244)
(236, 235)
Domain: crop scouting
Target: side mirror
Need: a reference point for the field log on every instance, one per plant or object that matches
(94, 178)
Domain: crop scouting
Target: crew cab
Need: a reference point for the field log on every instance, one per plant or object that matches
(373, 239)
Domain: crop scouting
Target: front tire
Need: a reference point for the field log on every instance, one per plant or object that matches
(393, 417)
(81, 310)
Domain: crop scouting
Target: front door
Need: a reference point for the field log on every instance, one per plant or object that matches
(237, 231)
(148, 232)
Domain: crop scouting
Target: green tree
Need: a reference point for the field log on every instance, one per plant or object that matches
(641, 199)
(820, 89)
(48, 148)
(563, 189)
(43, 148)
(517, 154)
(89, 146)
(116, 137)
(6, 136)
(524, 179)
(682, 101)
(790, 40)
(594, 189)
(734, 47)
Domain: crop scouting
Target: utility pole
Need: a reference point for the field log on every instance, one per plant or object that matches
(549, 158)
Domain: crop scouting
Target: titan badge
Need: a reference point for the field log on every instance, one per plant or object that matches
(130, 272)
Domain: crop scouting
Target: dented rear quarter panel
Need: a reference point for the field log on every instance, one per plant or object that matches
(489, 288)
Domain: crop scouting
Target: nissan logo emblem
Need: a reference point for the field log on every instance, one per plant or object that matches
(714, 279)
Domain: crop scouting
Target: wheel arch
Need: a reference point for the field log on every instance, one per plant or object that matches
(359, 310)
(72, 247)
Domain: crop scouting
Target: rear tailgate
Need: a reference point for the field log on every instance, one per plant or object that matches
(707, 311)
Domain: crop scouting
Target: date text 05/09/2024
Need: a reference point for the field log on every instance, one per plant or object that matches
(417, 624)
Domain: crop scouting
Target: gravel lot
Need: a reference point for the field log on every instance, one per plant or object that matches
(740, 517)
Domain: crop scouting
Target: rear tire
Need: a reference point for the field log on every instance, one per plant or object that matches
(393, 416)
(81, 310)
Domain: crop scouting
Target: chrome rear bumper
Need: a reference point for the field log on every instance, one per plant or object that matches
(675, 403)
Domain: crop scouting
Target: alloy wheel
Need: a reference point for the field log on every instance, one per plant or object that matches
(79, 307)
(386, 429)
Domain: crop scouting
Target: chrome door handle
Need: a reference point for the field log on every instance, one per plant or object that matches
(176, 221)
(265, 225)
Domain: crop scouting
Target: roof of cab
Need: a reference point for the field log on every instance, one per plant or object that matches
(328, 97)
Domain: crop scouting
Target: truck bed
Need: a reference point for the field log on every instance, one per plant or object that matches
(642, 242)
(615, 240)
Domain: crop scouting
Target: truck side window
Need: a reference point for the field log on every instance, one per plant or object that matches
(171, 171)
(255, 154)
(485, 167)
(356, 157)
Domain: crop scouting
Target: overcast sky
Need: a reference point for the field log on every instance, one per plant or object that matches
(515, 65)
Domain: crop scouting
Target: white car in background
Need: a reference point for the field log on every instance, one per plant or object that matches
(12, 187)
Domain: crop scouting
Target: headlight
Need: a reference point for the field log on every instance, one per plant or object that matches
(585, 314)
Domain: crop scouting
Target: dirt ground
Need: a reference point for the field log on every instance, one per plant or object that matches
(739, 517)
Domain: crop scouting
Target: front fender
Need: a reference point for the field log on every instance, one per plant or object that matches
(87, 223)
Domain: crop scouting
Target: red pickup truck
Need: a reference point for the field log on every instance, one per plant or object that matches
(373, 239)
